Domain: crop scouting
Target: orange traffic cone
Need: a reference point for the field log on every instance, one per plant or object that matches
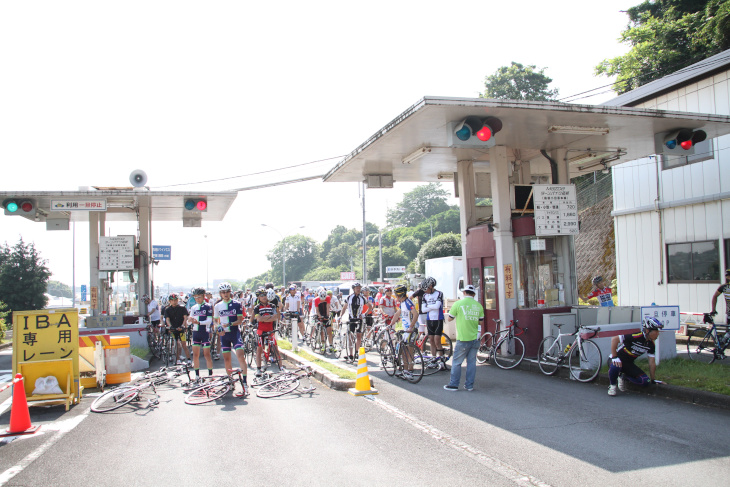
(19, 414)
(362, 384)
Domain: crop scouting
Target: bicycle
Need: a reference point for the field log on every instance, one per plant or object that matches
(424, 345)
(124, 394)
(215, 389)
(505, 347)
(583, 355)
(711, 346)
(166, 348)
(250, 340)
(270, 348)
(346, 342)
(401, 359)
(287, 383)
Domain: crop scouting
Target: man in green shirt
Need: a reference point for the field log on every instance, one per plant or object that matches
(468, 314)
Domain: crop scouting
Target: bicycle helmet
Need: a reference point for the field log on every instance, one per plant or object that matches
(198, 291)
(356, 284)
(401, 290)
(269, 285)
(651, 323)
(329, 293)
(224, 286)
(270, 294)
(428, 282)
(260, 291)
(145, 297)
(322, 292)
(597, 279)
(172, 296)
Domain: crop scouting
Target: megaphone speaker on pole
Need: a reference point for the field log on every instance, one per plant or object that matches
(138, 178)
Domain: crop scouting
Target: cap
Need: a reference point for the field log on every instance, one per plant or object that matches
(469, 289)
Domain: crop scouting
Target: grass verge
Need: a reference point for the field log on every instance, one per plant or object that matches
(688, 373)
(140, 352)
(339, 372)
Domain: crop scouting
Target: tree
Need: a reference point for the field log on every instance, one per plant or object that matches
(59, 289)
(342, 255)
(392, 256)
(409, 246)
(417, 205)
(323, 273)
(301, 256)
(518, 82)
(444, 245)
(23, 277)
(666, 36)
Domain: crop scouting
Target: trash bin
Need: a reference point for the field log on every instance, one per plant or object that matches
(118, 358)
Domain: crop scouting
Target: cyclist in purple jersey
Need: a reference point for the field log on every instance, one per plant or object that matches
(227, 315)
(201, 317)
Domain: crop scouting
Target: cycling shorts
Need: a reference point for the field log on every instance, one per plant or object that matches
(231, 340)
(435, 327)
(369, 320)
(179, 334)
(325, 323)
(356, 326)
(155, 322)
(201, 339)
(265, 326)
(387, 319)
(264, 336)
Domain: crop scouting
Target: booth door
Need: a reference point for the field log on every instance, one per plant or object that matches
(482, 276)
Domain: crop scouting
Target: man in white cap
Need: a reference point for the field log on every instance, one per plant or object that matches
(469, 314)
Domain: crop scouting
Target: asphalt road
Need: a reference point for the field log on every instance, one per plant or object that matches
(515, 428)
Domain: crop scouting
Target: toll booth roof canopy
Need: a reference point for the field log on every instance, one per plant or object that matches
(122, 204)
(527, 128)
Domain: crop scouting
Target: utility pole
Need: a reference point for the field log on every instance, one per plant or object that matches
(364, 242)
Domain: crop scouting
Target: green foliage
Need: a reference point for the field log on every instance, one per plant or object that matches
(59, 289)
(443, 245)
(666, 36)
(23, 277)
(301, 256)
(392, 256)
(447, 222)
(417, 205)
(323, 273)
(259, 281)
(518, 82)
(4, 324)
(410, 246)
(341, 255)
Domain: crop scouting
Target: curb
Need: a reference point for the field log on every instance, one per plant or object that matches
(6, 345)
(321, 374)
(684, 394)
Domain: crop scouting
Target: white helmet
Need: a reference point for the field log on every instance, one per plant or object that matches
(322, 292)
(270, 294)
(224, 286)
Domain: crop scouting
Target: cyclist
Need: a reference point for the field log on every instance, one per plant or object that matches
(388, 305)
(407, 315)
(248, 300)
(355, 303)
(433, 305)
(369, 308)
(603, 293)
(322, 305)
(201, 317)
(627, 348)
(335, 307)
(266, 314)
(175, 317)
(723, 289)
(153, 313)
(293, 306)
(227, 315)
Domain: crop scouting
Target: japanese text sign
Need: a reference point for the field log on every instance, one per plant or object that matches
(556, 209)
(48, 334)
(668, 315)
(509, 284)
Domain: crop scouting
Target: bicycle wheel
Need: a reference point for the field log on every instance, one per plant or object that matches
(412, 361)
(509, 352)
(208, 393)
(701, 346)
(486, 342)
(548, 356)
(114, 399)
(387, 358)
(169, 352)
(447, 346)
(278, 387)
(151, 342)
(274, 353)
(585, 361)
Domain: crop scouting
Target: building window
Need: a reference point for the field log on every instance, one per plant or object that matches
(692, 262)
(703, 151)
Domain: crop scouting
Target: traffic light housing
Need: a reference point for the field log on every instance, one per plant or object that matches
(196, 204)
(680, 142)
(19, 206)
(474, 132)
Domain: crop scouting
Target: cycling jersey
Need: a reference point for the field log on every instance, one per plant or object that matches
(292, 302)
(268, 309)
(725, 290)
(176, 315)
(204, 314)
(321, 305)
(634, 345)
(355, 305)
(405, 313)
(154, 310)
(433, 305)
(228, 313)
(388, 305)
(335, 305)
(605, 298)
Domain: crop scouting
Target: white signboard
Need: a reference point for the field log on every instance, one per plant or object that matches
(556, 209)
(116, 253)
(78, 205)
(668, 315)
(392, 269)
(537, 244)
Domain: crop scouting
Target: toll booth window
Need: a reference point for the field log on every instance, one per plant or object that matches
(490, 294)
(537, 272)
(476, 282)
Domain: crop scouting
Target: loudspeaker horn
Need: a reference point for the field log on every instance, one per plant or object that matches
(138, 178)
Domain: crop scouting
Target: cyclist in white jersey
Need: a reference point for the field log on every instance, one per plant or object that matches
(201, 317)
(293, 305)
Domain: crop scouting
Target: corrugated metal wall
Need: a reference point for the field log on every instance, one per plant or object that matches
(640, 260)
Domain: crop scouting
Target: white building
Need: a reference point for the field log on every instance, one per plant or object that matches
(672, 213)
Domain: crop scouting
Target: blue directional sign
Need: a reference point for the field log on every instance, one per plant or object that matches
(83, 292)
(161, 252)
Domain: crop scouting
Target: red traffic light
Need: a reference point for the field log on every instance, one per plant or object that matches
(201, 205)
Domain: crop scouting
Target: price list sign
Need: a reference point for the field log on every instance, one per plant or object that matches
(116, 253)
(556, 209)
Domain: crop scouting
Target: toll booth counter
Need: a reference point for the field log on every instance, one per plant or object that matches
(544, 278)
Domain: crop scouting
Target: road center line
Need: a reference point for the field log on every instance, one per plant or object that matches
(62, 427)
(494, 464)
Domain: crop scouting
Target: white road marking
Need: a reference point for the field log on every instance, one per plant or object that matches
(5, 405)
(494, 464)
(5, 378)
(62, 427)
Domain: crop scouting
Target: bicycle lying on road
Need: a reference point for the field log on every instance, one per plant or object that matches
(582, 354)
(705, 345)
(215, 388)
(124, 394)
(286, 382)
(504, 346)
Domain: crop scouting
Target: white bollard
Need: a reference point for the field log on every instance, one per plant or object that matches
(294, 330)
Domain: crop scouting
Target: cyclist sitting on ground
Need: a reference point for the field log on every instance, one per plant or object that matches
(625, 349)
(227, 315)
(175, 317)
(266, 314)
(201, 317)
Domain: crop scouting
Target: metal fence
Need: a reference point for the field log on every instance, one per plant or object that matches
(593, 188)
